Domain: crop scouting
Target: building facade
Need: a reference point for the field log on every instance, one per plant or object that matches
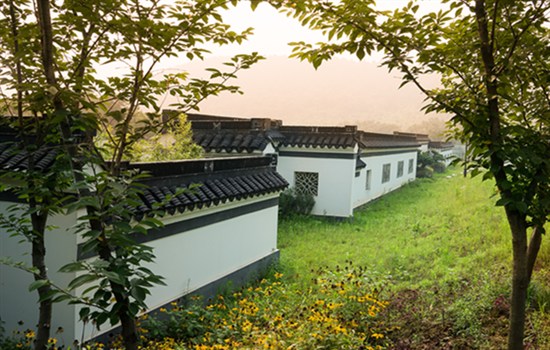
(341, 167)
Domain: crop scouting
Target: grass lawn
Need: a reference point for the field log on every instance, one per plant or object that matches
(425, 267)
(444, 249)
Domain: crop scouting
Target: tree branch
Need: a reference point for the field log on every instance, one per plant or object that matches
(533, 250)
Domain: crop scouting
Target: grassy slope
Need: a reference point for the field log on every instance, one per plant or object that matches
(446, 249)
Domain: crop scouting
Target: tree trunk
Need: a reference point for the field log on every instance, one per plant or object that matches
(516, 220)
(38, 262)
(520, 280)
(533, 250)
(127, 322)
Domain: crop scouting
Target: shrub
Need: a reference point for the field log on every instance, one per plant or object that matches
(292, 202)
(439, 167)
(428, 162)
(178, 322)
(425, 172)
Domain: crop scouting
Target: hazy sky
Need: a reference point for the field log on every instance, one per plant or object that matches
(295, 92)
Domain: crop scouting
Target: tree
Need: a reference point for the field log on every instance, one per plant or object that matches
(173, 143)
(492, 57)
(52, 55)
(428, 162)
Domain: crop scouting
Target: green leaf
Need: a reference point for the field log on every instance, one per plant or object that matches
(360, 53)
(101, 318)
(113, 276)
(61, 298)
(81, 280)
(84, 313)
(48, 295)
(133, 308)
(502, 202)
(38, 284)
(72, 267)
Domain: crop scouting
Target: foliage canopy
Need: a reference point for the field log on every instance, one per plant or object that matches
(492, 58)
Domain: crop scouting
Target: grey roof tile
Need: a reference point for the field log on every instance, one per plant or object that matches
(12, 158)
(229, 179)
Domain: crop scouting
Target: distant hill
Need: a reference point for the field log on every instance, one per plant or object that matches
(340, 92)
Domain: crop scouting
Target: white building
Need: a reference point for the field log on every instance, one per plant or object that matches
(446, 150)
(225, 230)
(422, 139)
(342, 167)
(390, 163)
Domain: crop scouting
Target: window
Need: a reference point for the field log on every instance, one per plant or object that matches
(386, 169)
(400, 166)
(367, 184)
(411, 166)
(306, 183)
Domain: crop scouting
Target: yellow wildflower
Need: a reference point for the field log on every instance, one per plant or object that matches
(30, 334)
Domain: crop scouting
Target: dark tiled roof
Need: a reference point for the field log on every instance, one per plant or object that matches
(202, 117)
(376, 140)
(327, 137)
(172, 113)
(440, 145)
(203, 183)
(230, 140)
(217, 134)
(13, 159)
(235, 122)
(421, 138)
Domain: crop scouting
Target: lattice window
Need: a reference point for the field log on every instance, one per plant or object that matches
(411, 166)
(306, 183)
(400, 167)
(386, 171)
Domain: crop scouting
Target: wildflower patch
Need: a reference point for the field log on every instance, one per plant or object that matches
(340, 310)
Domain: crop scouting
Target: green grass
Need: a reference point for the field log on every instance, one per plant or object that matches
(447, 251)
(437, 251)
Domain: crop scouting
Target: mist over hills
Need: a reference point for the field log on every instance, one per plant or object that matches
(340, 92)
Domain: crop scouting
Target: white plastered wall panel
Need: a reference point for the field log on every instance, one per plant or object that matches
(188, 261)
(375, 163)
(336, 172)
(17, 304)
(194, 258)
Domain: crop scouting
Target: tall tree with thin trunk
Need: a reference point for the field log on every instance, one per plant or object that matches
(492, 57)
(51, 73)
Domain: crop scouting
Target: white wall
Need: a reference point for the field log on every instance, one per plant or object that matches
(375, 164)
(447, 153)
(16, 302)
(188, 261)
(193, 259)
(335, 178)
